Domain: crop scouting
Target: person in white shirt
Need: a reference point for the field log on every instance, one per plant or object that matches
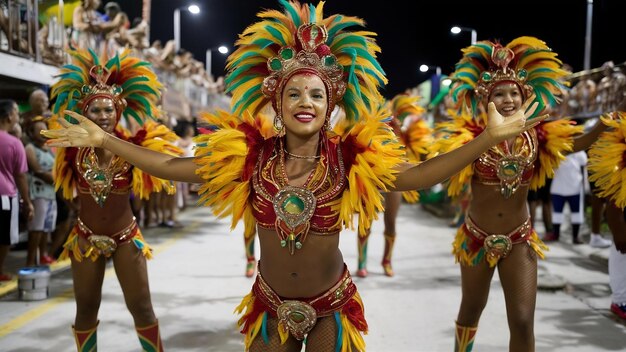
(568, 186)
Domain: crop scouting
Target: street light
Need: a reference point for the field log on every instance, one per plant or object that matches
(222, 49)
(457, 30)
(425, 68)
(194, 9)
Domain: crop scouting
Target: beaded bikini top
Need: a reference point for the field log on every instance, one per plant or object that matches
(508, 166)
(294, 211)
(101, 181)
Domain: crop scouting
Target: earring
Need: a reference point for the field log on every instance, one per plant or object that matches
(279, 125)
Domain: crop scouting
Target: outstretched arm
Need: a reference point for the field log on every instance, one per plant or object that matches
(586, 140)
(441, 167)
(88, 134)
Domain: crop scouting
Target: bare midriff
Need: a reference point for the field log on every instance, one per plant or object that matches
(311, 270)
(115, 215)
(495, 214)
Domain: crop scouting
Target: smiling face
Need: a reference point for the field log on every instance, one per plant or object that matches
(304, 104)
(507, 97)
(102, 112)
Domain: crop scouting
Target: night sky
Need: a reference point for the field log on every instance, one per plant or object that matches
(410, 38)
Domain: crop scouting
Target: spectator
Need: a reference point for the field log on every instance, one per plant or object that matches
(86, 25)
(38, 101)
(13, 168)
(568, 187)
(114, 29)
(41, 186)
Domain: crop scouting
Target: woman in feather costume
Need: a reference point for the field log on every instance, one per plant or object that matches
(497, 230)
(299, 188)
(415, 135)
(607, 168)
(104, 91)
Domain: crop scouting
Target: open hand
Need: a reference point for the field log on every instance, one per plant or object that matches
(500, 128)
(84, 134)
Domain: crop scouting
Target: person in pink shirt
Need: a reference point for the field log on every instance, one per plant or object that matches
(13, 168)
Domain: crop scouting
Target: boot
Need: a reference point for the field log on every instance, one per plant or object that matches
(250, 259)
(389, 241)
(86, 340)
(250, 266)
(362, 247)
(150, 338)
(464, 338)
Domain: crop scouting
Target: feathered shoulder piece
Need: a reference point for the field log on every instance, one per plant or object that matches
(226, 153)
(452, 134)
(64, 172)
(607, 160)
(554, 139)
(414, 132)
(371, 151)
(157, 137)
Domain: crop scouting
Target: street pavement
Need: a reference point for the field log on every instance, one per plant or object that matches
(197, 279)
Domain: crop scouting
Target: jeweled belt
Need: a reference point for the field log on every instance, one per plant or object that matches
(300, 316)
(497, 245)
(106, 244)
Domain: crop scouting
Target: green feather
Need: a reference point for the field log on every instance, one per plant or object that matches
(96, 60)
(141, 63)
(134, 114)
(134, 80)
(61, 99)
(262, 43)
(276, 34)
(292, 12)
(145, 102)
(114, 61)
(312, 14)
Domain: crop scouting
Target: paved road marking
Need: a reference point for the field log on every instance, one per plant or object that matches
(68, 294)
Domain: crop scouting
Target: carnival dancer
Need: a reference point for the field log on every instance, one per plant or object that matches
(607, 170)
(415, 135)
(104, 91)
(497, 231)
(300, 188)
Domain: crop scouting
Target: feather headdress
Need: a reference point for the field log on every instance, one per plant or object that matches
(125, 79)
(301, 39)
(526, 61)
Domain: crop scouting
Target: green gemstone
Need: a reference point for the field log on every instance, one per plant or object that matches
(85, 89)
(283, 243)
(276, 64)
(296, 317)
(486, 76)
(286, 53)
(298, 245)
(293, 205)
(522, 74)
(99, 177)
(330, 60)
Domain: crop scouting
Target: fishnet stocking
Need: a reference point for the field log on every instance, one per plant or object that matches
(323, 337)
(259, 345)
(518, 275)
